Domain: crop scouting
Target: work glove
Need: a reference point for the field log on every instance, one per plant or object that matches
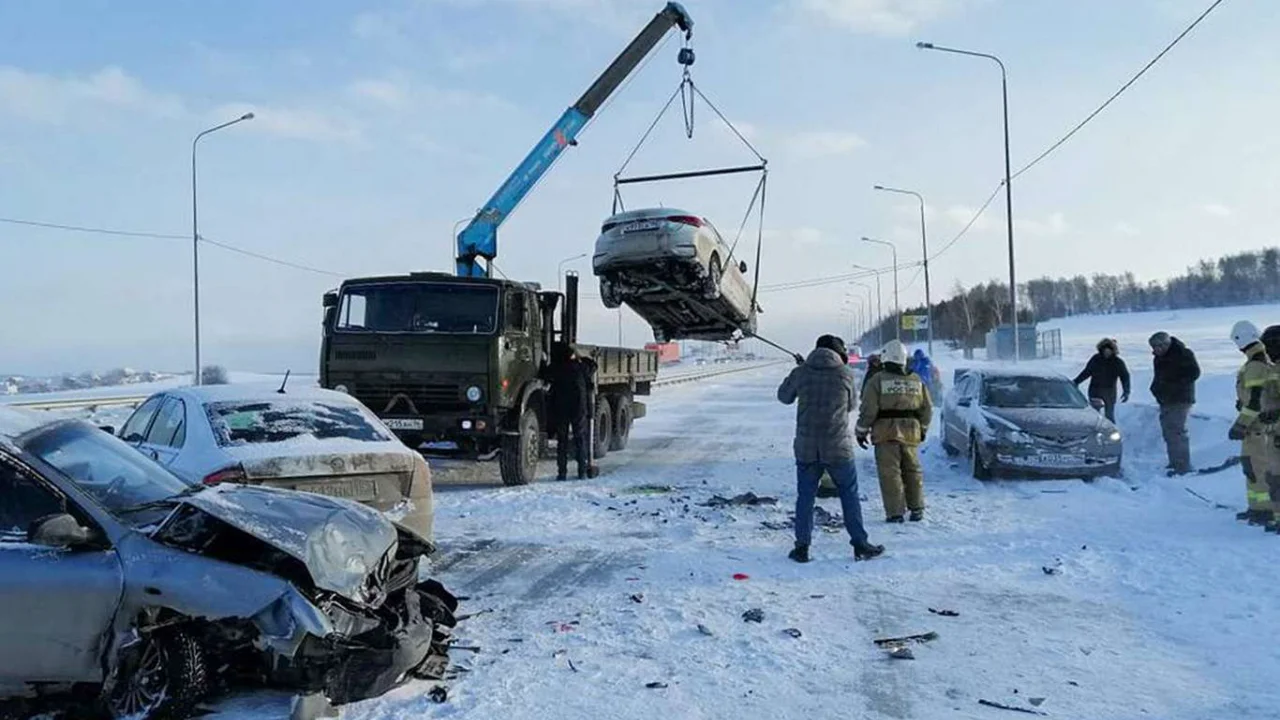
(1269, 417)
(799, 358)
(864, 440)
(1237, 432)
(1124, 398)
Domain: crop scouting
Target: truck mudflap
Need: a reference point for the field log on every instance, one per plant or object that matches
(638, 410)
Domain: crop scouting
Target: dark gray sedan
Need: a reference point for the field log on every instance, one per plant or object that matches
(1027, 423)
(116, 575)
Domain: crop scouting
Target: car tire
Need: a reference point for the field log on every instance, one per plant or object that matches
(602, 430)
(979, 469)
(947, 447)
(715, 275)
(609, 296)
(169, 681)
(521, 452)
(621, 422)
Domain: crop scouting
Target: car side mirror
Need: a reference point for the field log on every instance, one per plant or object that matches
(330, 300)
(60, 531)
(134, 438)
(742, 265)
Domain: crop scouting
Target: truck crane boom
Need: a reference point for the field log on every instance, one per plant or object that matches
(479, 239)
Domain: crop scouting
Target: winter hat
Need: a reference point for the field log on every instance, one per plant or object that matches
(895, 352)
(1109, 343)
(1244, 334)
(836, 345)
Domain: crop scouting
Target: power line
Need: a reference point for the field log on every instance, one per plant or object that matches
(1122, 89)
(166, 236)
(965, 230)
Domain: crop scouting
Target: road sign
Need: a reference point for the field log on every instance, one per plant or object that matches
(915, 322)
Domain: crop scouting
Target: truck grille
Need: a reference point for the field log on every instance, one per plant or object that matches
(427, 397)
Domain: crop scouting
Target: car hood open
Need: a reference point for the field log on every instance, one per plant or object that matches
(341, 543)
(1069, 423)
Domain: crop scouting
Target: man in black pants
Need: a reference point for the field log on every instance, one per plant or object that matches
(571, 404)
(1102, 372)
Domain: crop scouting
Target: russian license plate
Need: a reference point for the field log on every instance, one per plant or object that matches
(640, 226)
(403, 423)
(1061, 459)
(359, 489)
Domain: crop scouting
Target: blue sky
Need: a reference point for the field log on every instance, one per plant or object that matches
(380, 125)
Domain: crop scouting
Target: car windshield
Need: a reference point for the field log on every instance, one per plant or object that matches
(1031, 392)
(419, 308)
(118, 477)
(255, 422)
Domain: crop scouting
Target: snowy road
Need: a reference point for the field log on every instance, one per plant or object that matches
(1161, 606)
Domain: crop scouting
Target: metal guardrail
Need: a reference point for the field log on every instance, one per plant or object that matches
(133, 400)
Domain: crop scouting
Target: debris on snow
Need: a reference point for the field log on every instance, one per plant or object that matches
(903, 640)
(637, 598)
(793, 632)
(1037, 701)
(741, 576)
(705, 630)
(648, 490)
(755, 615)
(1002, 706)
(944, 613)
(656, 685)
(902, 652)
(438, 694)
(748, 498)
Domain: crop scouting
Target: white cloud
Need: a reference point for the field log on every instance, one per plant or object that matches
(50, 98)
(960, 215)
(823, 143)
(1055, 225)
(883, 17)
(294, 123)
(1125, 229)
(387, 92)
(1217, 209)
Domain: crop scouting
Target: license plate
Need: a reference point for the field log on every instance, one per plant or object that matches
(360, 489)
(1061, 459)
(640, 226)
(403, 423)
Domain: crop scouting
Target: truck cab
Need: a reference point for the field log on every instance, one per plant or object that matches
(457, 363)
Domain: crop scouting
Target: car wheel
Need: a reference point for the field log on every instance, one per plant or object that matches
(169, 678)
(520, 452)
(979, 468)
(715, 274)
(609, 295)
(947, 447)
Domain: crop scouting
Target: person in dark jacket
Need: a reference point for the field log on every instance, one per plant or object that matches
(1102, 371)
(571, 390)
(874, 365)
(824, 393)
(1174, 388)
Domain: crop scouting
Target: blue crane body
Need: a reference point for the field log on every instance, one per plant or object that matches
(479, 239)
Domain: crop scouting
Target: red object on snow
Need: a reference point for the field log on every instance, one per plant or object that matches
(741, 576)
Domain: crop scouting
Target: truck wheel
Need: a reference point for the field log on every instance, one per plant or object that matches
(621, 422)
(520, 452)
(602, 432)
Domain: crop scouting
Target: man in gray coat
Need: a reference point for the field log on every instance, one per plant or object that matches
(824, 391)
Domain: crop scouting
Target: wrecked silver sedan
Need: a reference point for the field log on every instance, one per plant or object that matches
(118, 576)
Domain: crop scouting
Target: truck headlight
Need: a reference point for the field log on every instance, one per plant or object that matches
(474, 394)
(342, 388)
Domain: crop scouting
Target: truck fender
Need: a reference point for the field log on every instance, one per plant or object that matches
(531, 391)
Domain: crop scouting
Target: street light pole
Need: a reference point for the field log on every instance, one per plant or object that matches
(924, 246)
(897, 303)
(560, 270)
(195, 239)
(1008, 181)
(879, 304)
(869, 306)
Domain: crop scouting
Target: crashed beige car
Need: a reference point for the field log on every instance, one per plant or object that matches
(308, 439)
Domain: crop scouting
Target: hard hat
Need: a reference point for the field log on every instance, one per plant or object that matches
(895, 352)
(1244, 334)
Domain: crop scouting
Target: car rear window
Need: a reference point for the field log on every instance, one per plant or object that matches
(252, 423)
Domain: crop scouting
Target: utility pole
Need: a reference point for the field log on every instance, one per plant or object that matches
(924, 247)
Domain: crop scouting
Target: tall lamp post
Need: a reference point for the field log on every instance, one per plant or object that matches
(924, 245)
(853, 304)
(560, 270)
(879, 303)
(897, 304)
(870, 304)
(1008, 182)
(195, 237)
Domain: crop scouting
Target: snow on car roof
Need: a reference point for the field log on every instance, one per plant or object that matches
(15, 422)
(261, 392)
(1012, 371)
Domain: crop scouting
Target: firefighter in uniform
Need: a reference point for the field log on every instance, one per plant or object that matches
(894, 416)
(1258, 404)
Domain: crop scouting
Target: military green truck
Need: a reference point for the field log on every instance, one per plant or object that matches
(456, 365)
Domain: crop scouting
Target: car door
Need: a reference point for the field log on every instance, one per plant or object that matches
(56, 604)
(135, 428)
(956, 421)
(167, 433)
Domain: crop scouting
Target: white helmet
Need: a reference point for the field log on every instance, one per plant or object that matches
(894, 352)
(1244, 334)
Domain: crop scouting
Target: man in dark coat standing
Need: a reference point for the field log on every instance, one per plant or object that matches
(824, 393)
(1174, 388)
(571, 391)
(1102, 371)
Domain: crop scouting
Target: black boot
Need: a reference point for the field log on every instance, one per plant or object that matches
(562, 474)
(1273, 527)
(917, 515)
(1244, 516)
(866, 551)
(895, 519)
(1260, 517)
(800, 553)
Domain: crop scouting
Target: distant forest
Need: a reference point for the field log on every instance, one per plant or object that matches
(1247, 278)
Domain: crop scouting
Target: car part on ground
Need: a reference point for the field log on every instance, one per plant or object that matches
(1026, 423)
(175, 583)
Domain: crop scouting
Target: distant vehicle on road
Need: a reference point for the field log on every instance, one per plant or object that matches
(1027, 423)
(675, 270)
(118, 577)
(318, 441)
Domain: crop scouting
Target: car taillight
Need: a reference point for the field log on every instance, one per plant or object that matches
(686, 220)
(232, 474)
(608, 226)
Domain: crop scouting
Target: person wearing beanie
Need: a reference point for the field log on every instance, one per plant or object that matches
(894, 416)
